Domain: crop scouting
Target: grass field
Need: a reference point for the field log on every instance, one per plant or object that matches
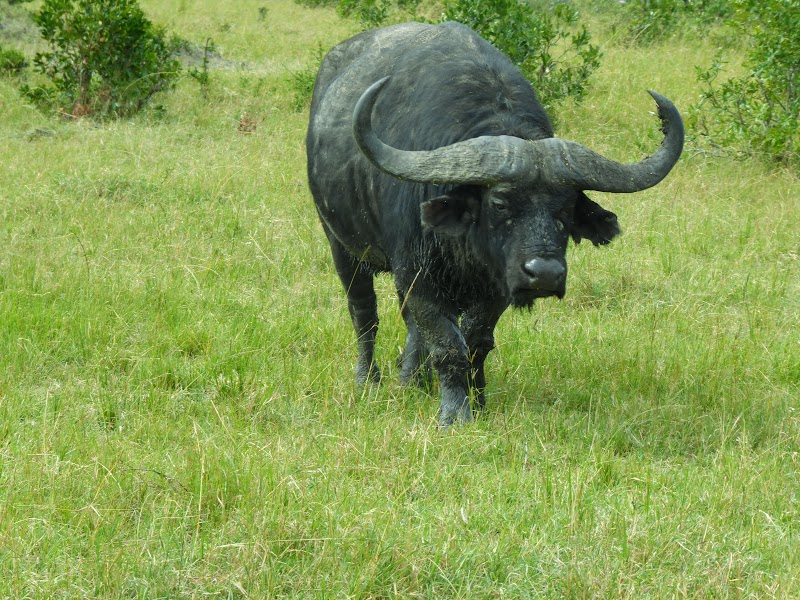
(178, 417)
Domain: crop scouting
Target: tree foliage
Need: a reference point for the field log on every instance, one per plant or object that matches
(649, 21)
(370, 13)
(106, 59)
(545, 42)
(12, 61)
(757, 112)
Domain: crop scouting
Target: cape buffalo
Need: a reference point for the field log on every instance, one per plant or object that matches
(430, 157)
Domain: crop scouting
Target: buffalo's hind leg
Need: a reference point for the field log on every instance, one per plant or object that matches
(362, 303)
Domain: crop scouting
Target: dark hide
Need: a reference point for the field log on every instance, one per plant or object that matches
(460, 254)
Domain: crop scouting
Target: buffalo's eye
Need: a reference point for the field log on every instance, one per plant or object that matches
(498, 204)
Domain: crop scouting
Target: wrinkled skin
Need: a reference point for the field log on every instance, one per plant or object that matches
(461, 254)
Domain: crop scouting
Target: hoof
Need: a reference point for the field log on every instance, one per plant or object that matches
(454, 415)
(368, 374)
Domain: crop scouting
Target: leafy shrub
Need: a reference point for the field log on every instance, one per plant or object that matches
(316, 3)
(758, 112)
(12, 62)
(107, 58)
(370, 13)
(543, 42)
(649, 21)
(202, 74)
(302, 82)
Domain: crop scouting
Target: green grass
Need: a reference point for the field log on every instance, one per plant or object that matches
(177, 412)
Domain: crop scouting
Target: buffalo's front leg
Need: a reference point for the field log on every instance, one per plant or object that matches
(478, 325)
(415, 360)
(448, 352)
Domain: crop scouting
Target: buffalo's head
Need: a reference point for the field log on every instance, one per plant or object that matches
(518, 201)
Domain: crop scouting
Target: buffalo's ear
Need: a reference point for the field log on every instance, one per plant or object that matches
(451, 214)
(593, 222)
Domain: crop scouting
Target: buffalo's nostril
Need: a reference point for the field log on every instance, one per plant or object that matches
(546, 273)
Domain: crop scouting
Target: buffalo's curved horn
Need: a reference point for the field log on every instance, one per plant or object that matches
(492, 159)
(570, 163)
(481, 160)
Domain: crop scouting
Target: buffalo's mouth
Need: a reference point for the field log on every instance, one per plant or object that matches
(525, 297)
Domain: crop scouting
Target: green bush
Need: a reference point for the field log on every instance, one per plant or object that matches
(757, 113)
(648, 21)
(107, 58)
(302, 82)
(542, 40)
(370, 13)
(12, 62)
